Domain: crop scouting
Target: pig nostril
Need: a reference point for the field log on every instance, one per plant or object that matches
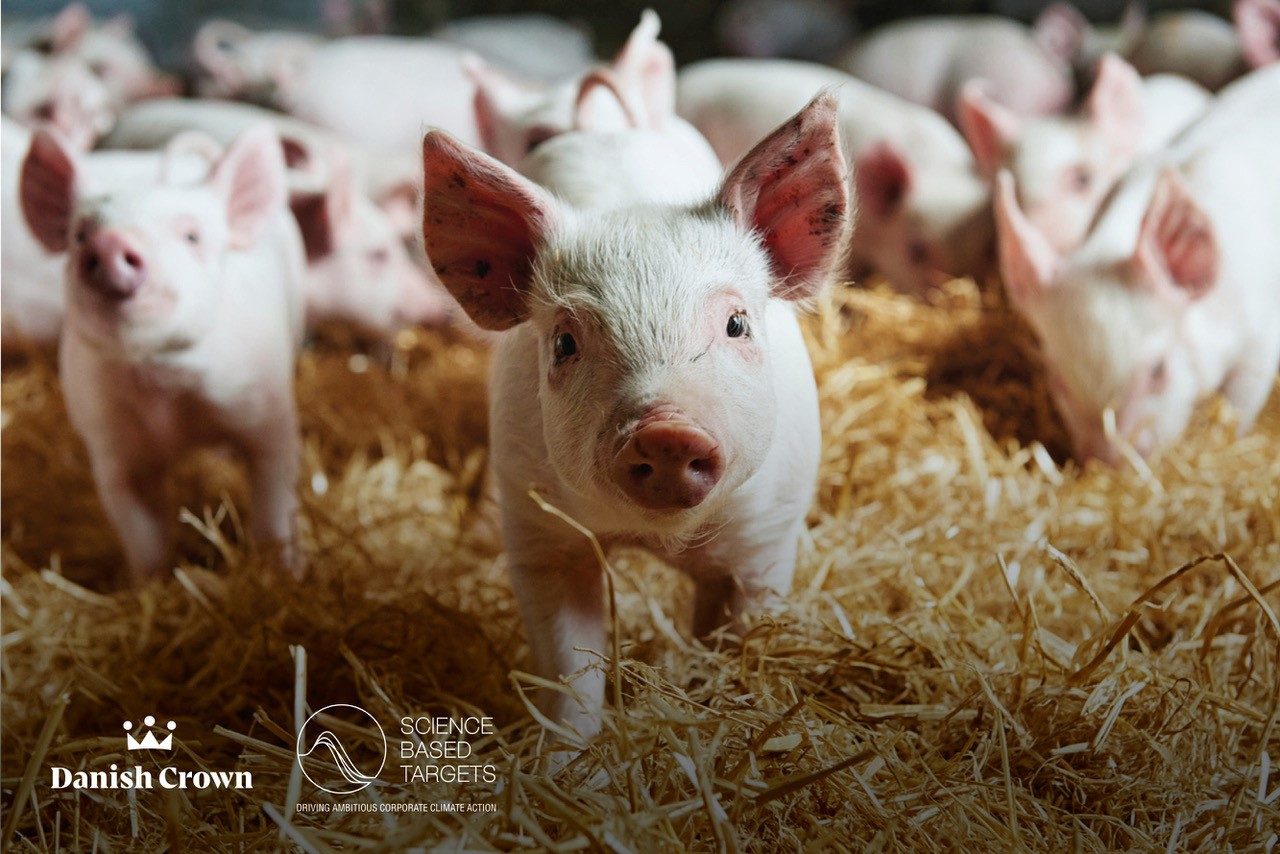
(133, 260)
(91, 263)
(642, 470)
(44, 111)
(699, 465)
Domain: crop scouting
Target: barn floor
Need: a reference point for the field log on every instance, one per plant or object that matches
(985, 651)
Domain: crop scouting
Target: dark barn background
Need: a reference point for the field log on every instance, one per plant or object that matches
(688, 25)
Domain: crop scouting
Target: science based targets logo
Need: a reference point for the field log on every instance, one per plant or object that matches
(341, 749)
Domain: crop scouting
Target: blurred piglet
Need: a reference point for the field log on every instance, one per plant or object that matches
(184, 312)
(532, 45)
(927, 60)
(924, 213)
(376, 91)
(1195, 44)
(516, 115)
(110, 50)
(1258, 25)
(32, 300)
(1064, 167)
(59, 94)
(358, 268)
(1175, 292)
(650, 382)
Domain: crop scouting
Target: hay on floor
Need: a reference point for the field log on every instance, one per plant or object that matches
(987, 648)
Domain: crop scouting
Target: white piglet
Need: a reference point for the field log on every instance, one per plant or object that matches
(184, 312)
(1063, 167)
(1175, 292)
(650, 381)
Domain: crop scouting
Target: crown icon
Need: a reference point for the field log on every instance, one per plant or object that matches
(149, 740)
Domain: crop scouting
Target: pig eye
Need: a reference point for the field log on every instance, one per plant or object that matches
(564, 346)
(191, 236)
(379, 256)
(1081, 177)
(100, 69)
(737, 326)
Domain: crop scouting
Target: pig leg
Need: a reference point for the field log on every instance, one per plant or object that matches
(560, 590)
(760, 579)
(136, 500)
(274, 458)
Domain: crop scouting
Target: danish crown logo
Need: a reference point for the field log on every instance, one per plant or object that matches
(341, 749)
(149, 740)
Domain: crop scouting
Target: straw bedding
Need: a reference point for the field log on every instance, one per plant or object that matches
(986, 650)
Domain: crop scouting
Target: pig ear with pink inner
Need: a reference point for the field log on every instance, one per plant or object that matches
(792, 190)
(251, 178)
(883, 177)
(1028, 263)
(499, 97)
(324, 216)
(1177, 252)
(481, 226)
(48, 190)
(988, 127)
(646, 67)
(1114, 105)
(1258, 26)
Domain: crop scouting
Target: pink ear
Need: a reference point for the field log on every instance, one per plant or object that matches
(988, 127)
(1177, 250)
(48, 191)
(601, 106)
(883, 178)
(1028, 263)
(1258, 25)
(324, 216)
(70, 26)
(251, 178)
(792, 190)
(647, 67)
(1060, 30)
(493, 90)
(1114, 105)
(481, 225)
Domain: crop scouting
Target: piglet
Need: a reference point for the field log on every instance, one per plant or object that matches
(925, 212)
(927, 60)
(1064, 167)
(110, 49)
(1192, 43)
(358, 268)
(651, 381)
(1174, 293)
(376, 91)
(58, 93)
(184, 312)
(530, 44)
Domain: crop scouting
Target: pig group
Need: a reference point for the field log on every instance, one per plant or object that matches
(635, 241)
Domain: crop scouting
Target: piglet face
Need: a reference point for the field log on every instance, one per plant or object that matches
(117, 58)
(1118, 373)
(264, 67)
(656, 392)
(145, 262)
(1112, 319)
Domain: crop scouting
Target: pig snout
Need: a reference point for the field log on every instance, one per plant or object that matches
(112, 264)
(668, 464)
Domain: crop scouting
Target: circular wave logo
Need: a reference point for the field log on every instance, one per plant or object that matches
(341, 749)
